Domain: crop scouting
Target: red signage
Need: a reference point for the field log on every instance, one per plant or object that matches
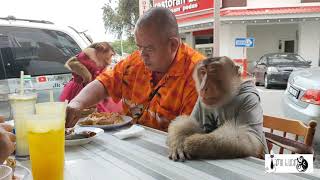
(183, 7)
(42, 79)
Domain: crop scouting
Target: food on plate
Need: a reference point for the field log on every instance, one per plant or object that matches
(102, 118)
(88, 111)
(72, 135)
(11, 162)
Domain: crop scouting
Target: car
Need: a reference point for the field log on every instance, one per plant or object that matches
(40, 49)
(301, 99)
(274, 68)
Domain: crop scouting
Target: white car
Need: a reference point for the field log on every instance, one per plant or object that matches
(40, 49)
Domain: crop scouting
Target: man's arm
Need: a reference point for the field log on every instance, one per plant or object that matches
(90, 95)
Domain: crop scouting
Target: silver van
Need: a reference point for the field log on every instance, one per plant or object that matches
(40, 49)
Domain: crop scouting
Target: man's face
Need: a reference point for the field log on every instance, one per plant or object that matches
(157, 53)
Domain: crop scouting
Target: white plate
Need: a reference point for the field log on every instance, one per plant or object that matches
(77, 142)
(127, 120)
(22, 173)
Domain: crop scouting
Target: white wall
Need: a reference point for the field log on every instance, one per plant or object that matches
(267, 39)
(276, 3)
(309, 46)
(228, 33)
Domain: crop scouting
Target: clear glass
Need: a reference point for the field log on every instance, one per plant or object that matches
(46, 144)
(22, 105)
(46, 140)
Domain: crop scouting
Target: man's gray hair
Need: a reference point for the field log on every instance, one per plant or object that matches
(162, 19)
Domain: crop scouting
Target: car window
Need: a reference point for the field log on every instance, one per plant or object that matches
(262, 60)
(35, 51)
(285, 59)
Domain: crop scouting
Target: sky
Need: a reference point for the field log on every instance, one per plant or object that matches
(80, 14)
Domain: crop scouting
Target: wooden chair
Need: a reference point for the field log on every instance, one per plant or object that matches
(294, 127)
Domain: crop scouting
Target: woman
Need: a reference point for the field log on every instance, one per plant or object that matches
(85, 67)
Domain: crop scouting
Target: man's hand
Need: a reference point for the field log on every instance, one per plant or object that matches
(7, 139)
(73, 113)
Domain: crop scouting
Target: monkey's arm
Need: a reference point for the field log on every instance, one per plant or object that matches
(179, 129)
(75, 66)
(227, 141)
(244, 137)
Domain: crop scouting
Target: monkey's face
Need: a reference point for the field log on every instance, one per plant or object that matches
(216, 81)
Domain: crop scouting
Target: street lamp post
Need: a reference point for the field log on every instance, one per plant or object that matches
(216, 28)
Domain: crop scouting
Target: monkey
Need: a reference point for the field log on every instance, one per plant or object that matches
(226, 121)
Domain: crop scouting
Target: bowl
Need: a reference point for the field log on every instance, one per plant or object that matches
(5, 172)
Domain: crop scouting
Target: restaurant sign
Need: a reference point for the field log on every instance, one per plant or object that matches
(183, 7)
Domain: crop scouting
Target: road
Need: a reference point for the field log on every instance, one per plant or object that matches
(271, 100)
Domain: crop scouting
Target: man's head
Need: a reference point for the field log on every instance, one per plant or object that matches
(157, 37)
(217, 80)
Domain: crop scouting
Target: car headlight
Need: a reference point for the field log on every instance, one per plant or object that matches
(272, 70)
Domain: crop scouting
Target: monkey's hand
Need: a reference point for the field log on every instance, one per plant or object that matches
(223, 143)
(194, 145)
(179, 129)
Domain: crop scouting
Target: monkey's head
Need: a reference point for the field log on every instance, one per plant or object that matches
(217, 80)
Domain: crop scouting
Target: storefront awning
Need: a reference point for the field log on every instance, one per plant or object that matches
(270, 11)
(248, 13)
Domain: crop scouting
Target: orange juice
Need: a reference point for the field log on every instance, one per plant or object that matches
(46, 146)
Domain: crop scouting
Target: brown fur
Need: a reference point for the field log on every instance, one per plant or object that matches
(185, 137)
(227, 141)
(179, 129)
(75, 66)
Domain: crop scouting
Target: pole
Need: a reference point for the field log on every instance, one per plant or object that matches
(216, 28)
(121, 45)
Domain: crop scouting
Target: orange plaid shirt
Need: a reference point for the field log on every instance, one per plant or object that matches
(130, 80)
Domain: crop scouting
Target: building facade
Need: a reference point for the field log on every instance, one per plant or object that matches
(291, 26)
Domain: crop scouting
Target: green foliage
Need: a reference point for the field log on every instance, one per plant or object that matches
(128, 46)
(121, 19)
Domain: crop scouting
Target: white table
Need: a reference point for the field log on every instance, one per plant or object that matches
(146, 158)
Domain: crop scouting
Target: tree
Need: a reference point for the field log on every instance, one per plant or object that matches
(121, 19)
(128, 46)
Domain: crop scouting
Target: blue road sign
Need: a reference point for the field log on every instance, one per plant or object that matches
(244, 42)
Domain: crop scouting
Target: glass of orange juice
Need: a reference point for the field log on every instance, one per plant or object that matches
(46, 142)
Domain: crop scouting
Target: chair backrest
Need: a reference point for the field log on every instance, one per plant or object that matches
(298, 128)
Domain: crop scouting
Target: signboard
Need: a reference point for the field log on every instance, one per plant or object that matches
(244, 42)
(42, 79)
(144, 5)
(182, 7)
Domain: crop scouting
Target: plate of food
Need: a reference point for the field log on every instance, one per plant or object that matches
(105, 120)
(81, 135)
(20, 172)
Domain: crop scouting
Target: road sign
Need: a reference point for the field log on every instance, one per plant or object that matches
(244, 42)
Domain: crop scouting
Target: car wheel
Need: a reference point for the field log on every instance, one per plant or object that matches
(257, 83)
(266, 82)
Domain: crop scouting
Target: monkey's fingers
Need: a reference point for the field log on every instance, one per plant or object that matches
(188, 156)
(170, 154)
(174, 155)
(181, 155)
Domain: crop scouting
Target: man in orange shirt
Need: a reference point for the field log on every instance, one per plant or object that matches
(155, 82)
